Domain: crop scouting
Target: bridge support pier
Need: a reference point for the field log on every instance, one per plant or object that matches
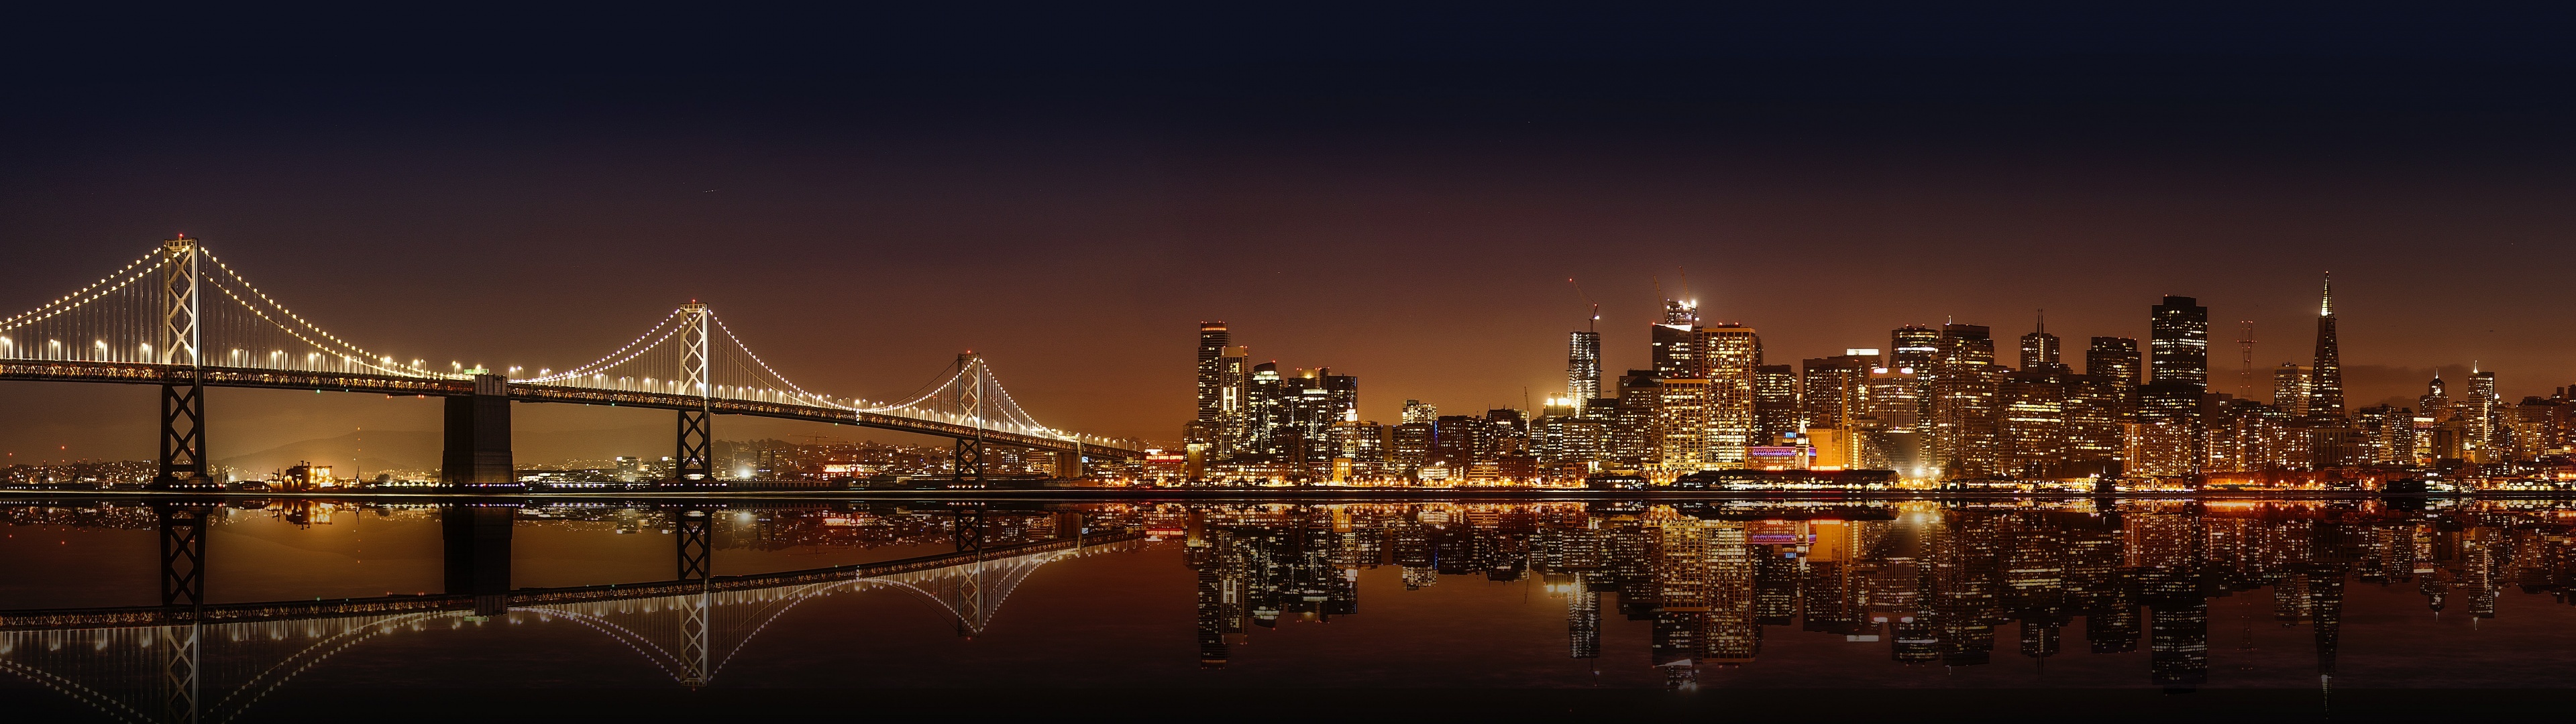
(477, 539)
(183, 437)
(1068, 464)
(693, 465)
(969, 464)
(478, 439)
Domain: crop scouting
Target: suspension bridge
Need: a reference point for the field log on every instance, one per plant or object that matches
(182, 319)
(193, 661)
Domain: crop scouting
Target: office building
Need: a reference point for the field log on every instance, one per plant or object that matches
(2178, 342)
(1583, 368)
(2114, 360)
(1732, 353)
(1775, 403)
(1965, 409)
(2039, 349)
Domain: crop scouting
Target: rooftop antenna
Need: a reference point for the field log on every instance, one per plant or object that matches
(1589, 325)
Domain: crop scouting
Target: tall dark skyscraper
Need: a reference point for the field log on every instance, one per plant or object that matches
(2325, 379)
(1583, 369)
(1213, 339)
(2039, 349)
(2178, 343)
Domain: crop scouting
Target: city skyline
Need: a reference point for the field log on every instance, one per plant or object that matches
(1372, 213)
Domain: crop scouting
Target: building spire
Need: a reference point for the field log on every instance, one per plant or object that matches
(2043, 321)
(2326, 308)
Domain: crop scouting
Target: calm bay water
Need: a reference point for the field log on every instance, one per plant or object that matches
(642, 608)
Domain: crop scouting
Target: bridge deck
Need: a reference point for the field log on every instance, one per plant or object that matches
(145, 616)
(138, 373)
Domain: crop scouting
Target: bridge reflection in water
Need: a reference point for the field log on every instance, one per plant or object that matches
(193, 661)
(2134, 593)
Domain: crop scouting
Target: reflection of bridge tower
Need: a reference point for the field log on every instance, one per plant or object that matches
(183, 386)
(966, 596)
(183, 584)
(696, 534)
(214, 662)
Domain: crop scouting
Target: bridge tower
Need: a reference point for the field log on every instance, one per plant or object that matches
(694, 464)
(969, 391)
(183, 382)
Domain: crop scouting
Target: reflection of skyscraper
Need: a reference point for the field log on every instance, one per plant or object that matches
(2178, 646)
(1583, 620)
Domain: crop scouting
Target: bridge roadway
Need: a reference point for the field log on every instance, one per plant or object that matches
(223, 613)
(141, 373)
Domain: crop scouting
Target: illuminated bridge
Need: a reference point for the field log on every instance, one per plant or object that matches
(182, 319)
(204, 662)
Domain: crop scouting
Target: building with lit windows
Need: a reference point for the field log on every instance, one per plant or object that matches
(1733, 353)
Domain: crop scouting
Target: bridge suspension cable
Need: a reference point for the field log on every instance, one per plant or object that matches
(181, 308)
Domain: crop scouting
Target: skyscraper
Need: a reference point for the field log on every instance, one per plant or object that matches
(1732, 353)
(1775, 403)
(1913, 346)
(2039, 349)
(1419, 411)
(1213, 339)
(2178, 342)
(2325, 378)
(1583, 368)
(2114, 361)
(2291, 387)
(1964, 406)
(1681, 420)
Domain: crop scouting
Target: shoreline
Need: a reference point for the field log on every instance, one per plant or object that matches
(1126, 494)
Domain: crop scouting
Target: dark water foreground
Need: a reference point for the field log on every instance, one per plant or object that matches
(310, 609)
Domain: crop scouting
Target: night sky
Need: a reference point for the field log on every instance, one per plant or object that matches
(1399, 196)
